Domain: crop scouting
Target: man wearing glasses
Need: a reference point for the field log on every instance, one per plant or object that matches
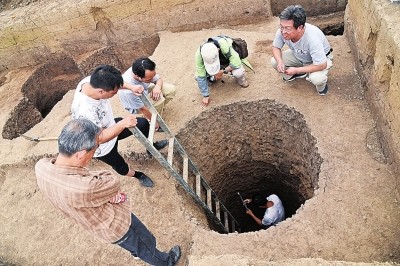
(309, 55)
(143, 73)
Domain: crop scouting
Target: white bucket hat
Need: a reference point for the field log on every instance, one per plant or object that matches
(209, 52)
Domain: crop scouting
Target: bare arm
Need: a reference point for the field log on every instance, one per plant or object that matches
(277, 53)
(108, 134)
(305, 69)
(258, 221)
(156, 92)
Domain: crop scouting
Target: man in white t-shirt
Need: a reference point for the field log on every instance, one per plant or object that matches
(91, 101)
(309, 55)
(274, 212)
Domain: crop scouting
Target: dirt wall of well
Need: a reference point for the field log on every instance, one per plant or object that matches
(372, 26)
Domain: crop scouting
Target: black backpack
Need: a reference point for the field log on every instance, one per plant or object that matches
(238, 44)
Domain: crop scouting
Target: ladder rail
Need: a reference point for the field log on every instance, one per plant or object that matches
(182, 179)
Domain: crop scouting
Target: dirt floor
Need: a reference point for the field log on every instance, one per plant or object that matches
(353, 217)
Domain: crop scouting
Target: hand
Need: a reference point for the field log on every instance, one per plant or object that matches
(247, 201)
(281, 67)
(136, 89)
(205, 101)
(129, 121)
(218, 76)
(291, 71)
(249, 212)
(156, 93)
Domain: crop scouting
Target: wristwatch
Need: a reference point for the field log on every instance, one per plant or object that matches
(225, 71)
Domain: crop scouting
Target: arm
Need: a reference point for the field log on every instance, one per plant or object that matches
(156, 92)
(256, 219)
(305, 69)
(277, 53)
(136, 89)
(201, 78)
(108, 134)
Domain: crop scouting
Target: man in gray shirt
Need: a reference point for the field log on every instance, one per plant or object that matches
(309, 55)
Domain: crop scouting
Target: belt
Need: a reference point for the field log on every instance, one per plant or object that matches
(328, 53)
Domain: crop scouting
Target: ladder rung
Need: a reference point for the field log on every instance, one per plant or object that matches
(152, 127)
(209, 203)
(198, 185)
(217, 210)
(226, 221)
(170, 150)
(185, 168)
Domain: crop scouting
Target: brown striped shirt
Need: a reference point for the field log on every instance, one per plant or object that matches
(85, 196)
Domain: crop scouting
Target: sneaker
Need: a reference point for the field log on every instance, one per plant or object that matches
(160, 144)
(174, 255)
(295, 76)
(324, 91)
(145, 181)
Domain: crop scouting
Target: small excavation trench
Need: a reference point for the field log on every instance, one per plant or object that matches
(254, 147)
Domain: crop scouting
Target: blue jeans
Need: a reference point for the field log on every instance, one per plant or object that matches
(140, 242)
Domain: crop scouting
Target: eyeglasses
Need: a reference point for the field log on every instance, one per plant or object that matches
(287, 29)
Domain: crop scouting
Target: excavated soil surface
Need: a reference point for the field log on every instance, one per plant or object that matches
(320, 153)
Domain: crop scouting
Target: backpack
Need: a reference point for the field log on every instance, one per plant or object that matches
(239, 45)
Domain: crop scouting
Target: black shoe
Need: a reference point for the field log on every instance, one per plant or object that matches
(159, 129)
(145, 181)
(174, 255)
(160, 144)
(325, 91)
(295, 76)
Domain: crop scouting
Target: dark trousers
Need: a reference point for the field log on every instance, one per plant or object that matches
(113, 158)
(140, 242)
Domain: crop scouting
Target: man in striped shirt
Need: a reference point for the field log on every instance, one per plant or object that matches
(93, 198)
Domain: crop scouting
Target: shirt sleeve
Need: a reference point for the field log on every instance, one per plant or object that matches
(278, 40)
(104, 186)
(200, 68)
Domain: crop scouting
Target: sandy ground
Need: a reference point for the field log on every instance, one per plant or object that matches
(353, 217)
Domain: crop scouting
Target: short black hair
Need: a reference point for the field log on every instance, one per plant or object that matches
(106, 77)
(295, 13)
(259, 200)
(140, 66)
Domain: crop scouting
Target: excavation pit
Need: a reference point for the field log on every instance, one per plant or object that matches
(254, 147)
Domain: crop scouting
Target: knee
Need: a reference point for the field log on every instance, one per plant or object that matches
(238, 73)
(318, 79)
(274, 64)
(122, 169)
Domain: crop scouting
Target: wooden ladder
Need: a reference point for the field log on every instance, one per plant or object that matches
(195, 185)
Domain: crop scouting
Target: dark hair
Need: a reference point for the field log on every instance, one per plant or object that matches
(140, 66)
(295, 13)
(106, 77)
(77, 135)
(259, 200)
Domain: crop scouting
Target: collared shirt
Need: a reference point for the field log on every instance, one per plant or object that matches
(84, 196)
